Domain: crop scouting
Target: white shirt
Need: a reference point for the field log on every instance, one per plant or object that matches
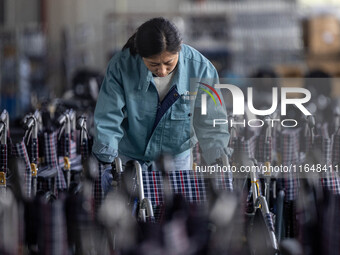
(163, 85)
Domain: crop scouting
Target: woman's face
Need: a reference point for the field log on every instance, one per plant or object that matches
(161, 64)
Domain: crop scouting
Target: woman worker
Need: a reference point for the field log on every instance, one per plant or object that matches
(149, 102)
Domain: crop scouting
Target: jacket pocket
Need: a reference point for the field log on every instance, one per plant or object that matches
(180, 111)
(180, 124)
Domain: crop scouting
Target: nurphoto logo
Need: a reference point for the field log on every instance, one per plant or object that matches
(239, 104)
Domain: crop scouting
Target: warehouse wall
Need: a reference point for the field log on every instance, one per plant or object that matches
(21, 12)
(83, 21)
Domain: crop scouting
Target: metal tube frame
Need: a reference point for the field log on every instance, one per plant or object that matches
(145, 206)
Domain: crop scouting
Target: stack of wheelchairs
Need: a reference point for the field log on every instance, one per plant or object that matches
(52, 201)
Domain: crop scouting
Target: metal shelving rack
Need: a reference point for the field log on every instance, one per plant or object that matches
(247, 34)
(23, 67)
(261, 33)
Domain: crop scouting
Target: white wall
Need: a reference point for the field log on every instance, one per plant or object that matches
(75, 16)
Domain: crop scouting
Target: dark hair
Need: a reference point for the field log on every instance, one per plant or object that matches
(153, 37)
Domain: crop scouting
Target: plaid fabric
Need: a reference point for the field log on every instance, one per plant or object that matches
(50, 149)
(153, 190)
(290, 184)
(76, 164)
(51, 159)
(247, 145)
(263, 149)
(325, 144)
(73, 149)
(328, 180)
(336, 150)
(289, 147)
(75, 159)
(19, 151)
(331, 182)
(97, 191)
(190, 184)
(224, 181)
(61, 162)
(3, 158)
(52, 235)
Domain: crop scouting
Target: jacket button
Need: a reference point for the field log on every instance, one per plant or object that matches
(189, 114)
(175, 95)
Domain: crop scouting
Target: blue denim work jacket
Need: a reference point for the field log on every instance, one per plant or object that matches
(129, 118)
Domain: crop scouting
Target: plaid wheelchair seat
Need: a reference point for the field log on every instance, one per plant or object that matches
(289, 149)
(247, 145)
(289, 146)
(331, 182)
(263, 152)
(48, 145)
(19, 150)
(223, 181)
(329, 151)
(188, 183)
(153, 190)
(336, 149)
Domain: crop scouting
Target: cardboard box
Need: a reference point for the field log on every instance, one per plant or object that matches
(322, 35)
(290, 70)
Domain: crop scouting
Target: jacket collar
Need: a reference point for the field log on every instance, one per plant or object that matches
(179, 79)
(145, 76)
